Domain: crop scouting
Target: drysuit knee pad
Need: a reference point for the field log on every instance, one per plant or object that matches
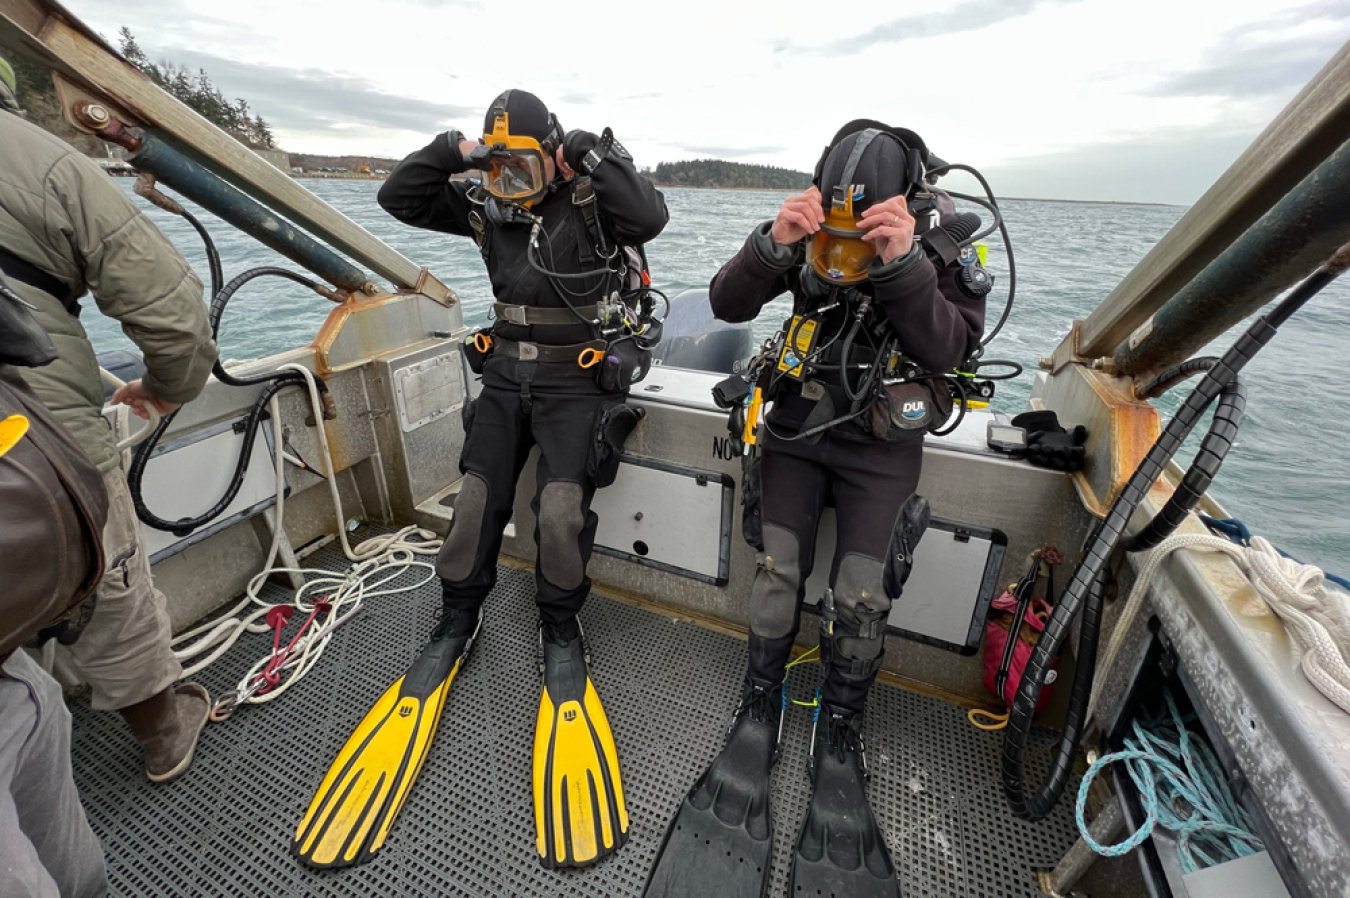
(561, 521)
(776, 592)
(855, 613)
(455, 561)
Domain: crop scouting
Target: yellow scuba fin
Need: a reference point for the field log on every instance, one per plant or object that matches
(579, 812)
(350, 816)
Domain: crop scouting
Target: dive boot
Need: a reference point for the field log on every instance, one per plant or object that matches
(579, 813)
(841, 852)
(350, 816)
(721, 839)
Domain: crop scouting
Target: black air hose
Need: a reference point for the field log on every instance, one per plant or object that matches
(961, 227)
(1175, 375)
(276, 382)
(1087, 578)
(991, 203)
(1222, 433)
(212, 257)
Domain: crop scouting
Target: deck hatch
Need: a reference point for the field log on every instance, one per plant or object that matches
(948, 595)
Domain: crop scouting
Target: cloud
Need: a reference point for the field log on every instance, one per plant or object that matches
(1257, 59)
(971, 16)
(315, 100)
(729, 152)
(577, 98)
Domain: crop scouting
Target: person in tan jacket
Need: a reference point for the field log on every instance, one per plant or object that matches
(67, 229)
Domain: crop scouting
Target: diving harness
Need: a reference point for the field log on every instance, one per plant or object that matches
(615, 298)
(861, 357)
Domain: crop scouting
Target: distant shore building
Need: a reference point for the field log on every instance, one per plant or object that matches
(279, 158)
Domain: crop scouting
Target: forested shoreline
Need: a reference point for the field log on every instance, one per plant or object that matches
(719, 173)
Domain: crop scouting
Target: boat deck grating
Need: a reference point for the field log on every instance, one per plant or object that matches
(467, 829)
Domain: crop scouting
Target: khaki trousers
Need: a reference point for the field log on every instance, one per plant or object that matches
(124, 653)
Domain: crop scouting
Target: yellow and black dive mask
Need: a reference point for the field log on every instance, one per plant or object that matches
(837, 251)
(513, 169)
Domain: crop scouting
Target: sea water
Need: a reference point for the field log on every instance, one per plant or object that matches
(1287, 477)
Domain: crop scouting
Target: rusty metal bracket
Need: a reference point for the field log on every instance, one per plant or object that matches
(431, 287)
(1068, 352)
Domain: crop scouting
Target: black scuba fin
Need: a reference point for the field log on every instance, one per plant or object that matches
(842, 851)
(721, 839)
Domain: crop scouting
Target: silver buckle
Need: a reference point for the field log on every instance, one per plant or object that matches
(528, 351)
(515, 315)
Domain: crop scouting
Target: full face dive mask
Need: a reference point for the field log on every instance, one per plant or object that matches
(837, 252)
(512, 165)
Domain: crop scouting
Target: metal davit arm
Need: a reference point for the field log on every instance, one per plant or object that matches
(1291, 240)
(45, 31)
(1306, 132)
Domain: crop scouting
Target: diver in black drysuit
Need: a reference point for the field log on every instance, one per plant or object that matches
(872, 481)
(552, 404)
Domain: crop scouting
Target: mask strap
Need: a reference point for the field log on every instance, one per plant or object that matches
(856, 155)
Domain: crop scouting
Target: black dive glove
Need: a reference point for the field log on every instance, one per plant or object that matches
(575, 146)
(1051, 446)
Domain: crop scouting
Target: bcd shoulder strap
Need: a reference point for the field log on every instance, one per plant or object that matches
(583, 197)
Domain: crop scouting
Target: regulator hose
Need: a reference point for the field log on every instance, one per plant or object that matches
(962, 226)
(1086, 584)
(992, 205)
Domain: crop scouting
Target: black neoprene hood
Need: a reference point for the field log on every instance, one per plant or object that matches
(882, 170)
(529, 116)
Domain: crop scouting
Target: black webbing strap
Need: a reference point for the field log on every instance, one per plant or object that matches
(479, 228)
(30, 274)
(1022, 591)
(583, 197)
(532, 315)
(535, 352)
(941, 246)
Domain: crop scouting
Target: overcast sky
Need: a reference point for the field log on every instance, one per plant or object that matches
(1145, 100)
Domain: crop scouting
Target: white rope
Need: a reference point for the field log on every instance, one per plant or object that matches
(376, 563)
(1316, 616)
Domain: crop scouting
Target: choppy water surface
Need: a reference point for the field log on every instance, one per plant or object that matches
(1287, 476)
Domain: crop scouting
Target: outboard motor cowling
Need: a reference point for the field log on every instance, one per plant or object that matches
(696, 340)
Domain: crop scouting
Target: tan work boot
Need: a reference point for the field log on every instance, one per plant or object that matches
(167, 726)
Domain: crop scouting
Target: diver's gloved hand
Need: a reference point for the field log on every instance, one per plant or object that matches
(1051, 446)
(576, 145)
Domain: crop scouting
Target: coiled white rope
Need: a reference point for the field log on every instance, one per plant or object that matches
(1316, 615)
(376, 563)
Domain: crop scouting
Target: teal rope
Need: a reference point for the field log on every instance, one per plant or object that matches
(1182, 788)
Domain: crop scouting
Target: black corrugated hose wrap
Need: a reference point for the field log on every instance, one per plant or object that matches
(276, 382)
(1086, 584)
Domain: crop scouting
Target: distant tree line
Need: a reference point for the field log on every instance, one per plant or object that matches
(197, 91)
(723, 174)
